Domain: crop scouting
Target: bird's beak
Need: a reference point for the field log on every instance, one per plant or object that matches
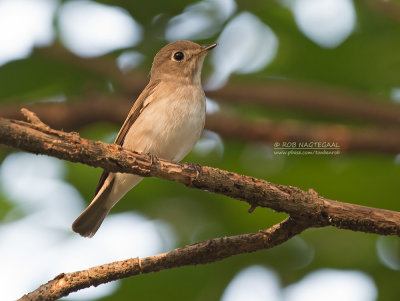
(206, 48)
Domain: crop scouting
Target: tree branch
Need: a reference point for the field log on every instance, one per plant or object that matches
(258, 193)
(390, 9)
(200, 253)
(74, 115)
(306, 209)
(305, 98)
(282, 94)
(350, 139)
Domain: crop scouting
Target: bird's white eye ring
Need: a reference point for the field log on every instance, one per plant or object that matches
(178, 56)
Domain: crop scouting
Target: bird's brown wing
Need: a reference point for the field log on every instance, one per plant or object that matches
(130, 119)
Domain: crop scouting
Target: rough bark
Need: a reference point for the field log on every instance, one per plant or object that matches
(200, 253)
(306, 208)
(37, 138)
(72, 116)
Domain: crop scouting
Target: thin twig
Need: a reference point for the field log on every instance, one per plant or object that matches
(200, 253)
(34, 119)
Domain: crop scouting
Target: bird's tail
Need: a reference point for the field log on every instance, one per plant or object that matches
(92, 217)
(114, 187)
(90, 220)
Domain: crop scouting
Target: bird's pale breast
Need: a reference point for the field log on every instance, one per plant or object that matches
(171, 123)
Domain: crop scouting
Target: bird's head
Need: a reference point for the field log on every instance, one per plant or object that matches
(180, 61)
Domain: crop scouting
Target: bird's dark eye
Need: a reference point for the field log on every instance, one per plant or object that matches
(178, 56)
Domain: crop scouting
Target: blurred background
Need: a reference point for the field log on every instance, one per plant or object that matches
(284, 71)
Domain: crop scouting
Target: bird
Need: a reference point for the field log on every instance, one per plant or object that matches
(166, 120)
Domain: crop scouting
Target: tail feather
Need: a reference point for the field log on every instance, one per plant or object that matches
(114, 187)
(91, 219)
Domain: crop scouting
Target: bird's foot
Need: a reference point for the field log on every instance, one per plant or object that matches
(153, 158)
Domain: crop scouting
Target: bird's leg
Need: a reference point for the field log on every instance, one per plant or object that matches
(153, 158)
(198, 169)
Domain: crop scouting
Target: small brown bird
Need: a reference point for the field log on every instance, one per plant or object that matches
(166, 120)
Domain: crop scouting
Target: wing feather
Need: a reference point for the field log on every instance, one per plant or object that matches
(130, 119)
